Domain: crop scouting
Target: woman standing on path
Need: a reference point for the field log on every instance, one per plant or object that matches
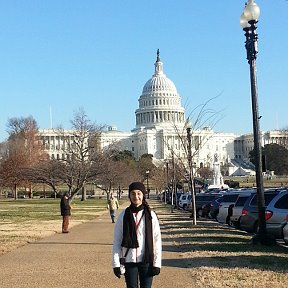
(137, 241)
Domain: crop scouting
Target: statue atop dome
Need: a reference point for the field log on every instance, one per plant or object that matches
(158, 56)
(158, 65)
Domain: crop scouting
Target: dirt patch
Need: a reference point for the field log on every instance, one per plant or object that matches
(17, 235)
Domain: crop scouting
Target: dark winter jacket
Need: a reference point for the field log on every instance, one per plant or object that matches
(65, 206)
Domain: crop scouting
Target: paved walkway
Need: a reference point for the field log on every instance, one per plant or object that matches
(82, 258)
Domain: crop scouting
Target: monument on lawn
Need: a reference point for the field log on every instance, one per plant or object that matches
(217, 181)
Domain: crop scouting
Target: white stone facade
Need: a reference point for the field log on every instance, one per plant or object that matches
(161, 123)
(277, 137)
(56, 143)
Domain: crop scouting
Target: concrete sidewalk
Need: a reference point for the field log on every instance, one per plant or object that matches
(82, 258)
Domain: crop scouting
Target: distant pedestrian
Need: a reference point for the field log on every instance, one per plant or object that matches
(137, 241)
(112, 205)
(148, 193)
(65, 212)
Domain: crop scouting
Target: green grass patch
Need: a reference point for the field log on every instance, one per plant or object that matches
(15, 211)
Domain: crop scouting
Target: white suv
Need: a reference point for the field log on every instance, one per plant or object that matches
(184, 201)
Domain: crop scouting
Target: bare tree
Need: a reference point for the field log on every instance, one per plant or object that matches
(205, 173)
(83, 161)
(117, 176)
(80, 162)
(192, 142)
(121, 169)
(24, 150)
(160, 178)
(49, 172)
(144, 165)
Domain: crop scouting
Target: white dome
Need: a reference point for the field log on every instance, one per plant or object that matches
(159, 83)
(159, 103)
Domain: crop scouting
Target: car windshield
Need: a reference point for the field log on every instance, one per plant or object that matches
(205, 197)
(267, 197)
(282, 203)
(230, 198)
(219, 200)
(241, 200)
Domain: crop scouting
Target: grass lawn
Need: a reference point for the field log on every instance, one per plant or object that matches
(219, 256)
(21, 210)
(27, 220)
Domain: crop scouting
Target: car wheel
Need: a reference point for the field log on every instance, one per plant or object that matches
(200, 212)
(255, 227)
(228, 220)
(237, 224)
(230, 223)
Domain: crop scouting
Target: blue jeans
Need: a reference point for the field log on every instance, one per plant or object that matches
(136, 272)
(113, 215)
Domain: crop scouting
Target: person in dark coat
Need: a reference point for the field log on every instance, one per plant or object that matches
(65, 212)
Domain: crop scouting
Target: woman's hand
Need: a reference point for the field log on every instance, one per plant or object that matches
(155, 271)
(117, 272)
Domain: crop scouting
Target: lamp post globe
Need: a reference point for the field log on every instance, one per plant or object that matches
(251, 11)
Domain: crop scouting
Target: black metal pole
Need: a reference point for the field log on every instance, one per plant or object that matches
(173, 179)
(167, 180)
(189, 156)
(251, 47)
(148, 189)
(191, 176)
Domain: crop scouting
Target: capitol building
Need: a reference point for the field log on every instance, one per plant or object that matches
(161, 125)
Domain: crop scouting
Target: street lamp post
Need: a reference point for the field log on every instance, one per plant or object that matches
(248, 21)
(167, 182)
(173, 192)
(148, 189)
(191, 176)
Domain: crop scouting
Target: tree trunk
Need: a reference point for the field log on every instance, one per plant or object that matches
(15, 192)
(193, 201)
(83, 193)
(30, 191)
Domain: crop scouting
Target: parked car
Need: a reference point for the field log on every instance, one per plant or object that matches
(184, 200)
(238, 207)
(176, 197)
(210, 206)
(201, 200)
(225, 207)
(275, 214)
(214, 207)
(249, 218)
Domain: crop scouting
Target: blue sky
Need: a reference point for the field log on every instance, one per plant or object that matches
(62, 55)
